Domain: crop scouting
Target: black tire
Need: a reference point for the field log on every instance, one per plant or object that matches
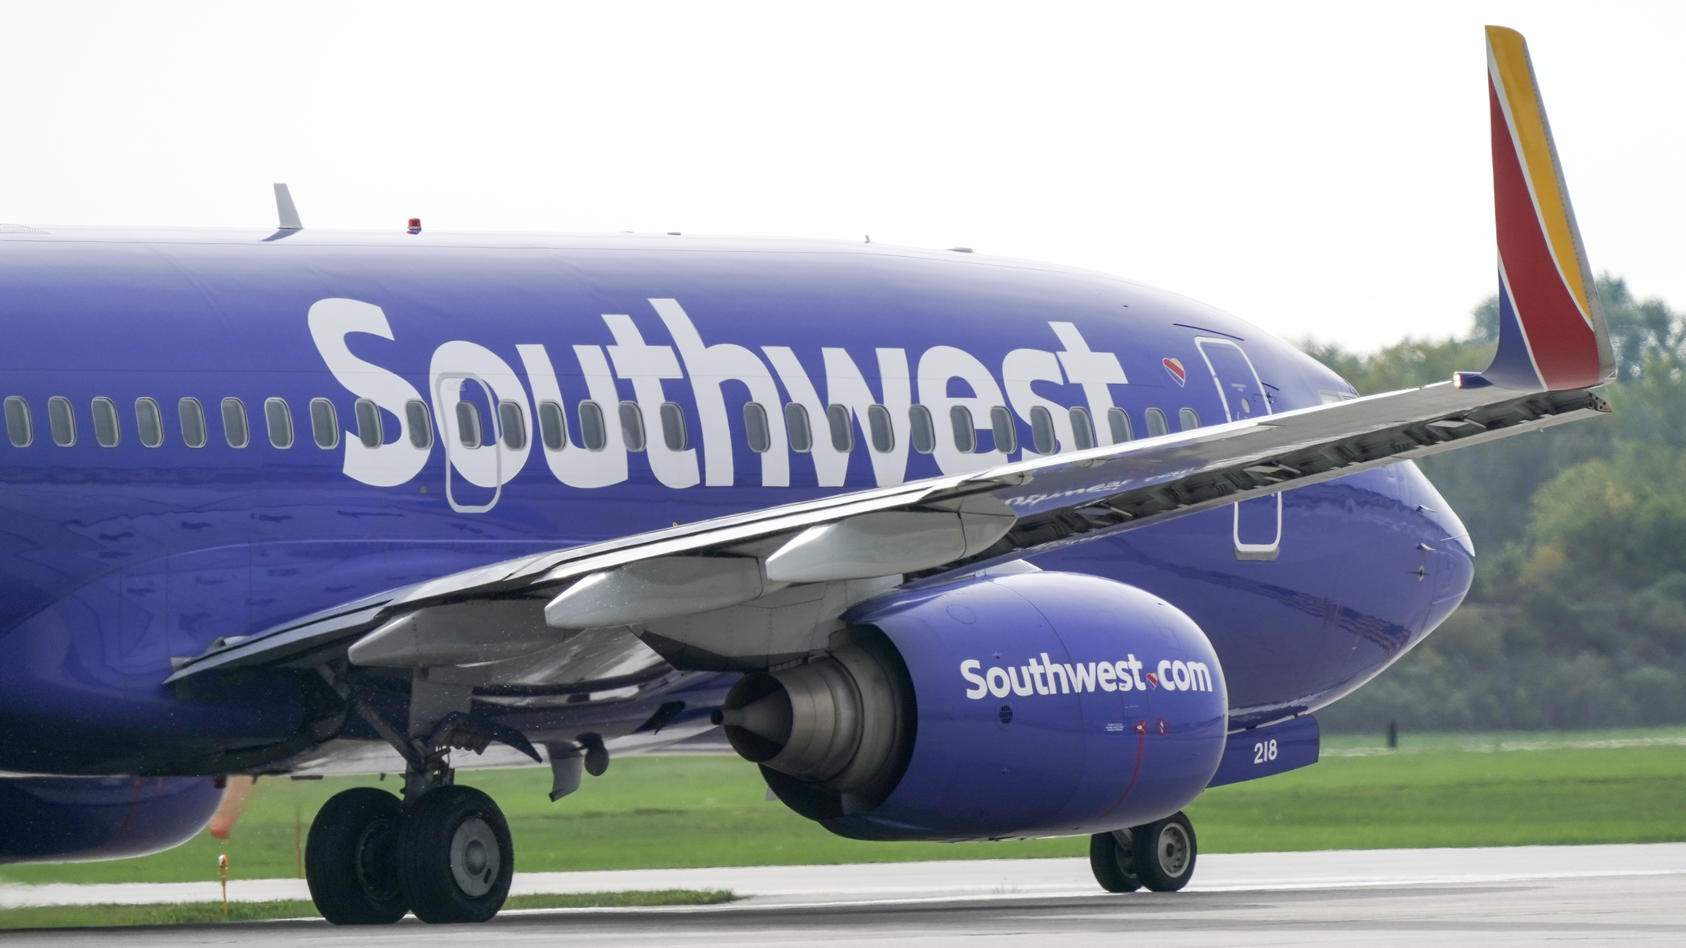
(1164, 853)
(351, 858)
(454, 856)
(1110, 860)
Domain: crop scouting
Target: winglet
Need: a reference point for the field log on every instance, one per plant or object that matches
(1551, 329)
(285, 210)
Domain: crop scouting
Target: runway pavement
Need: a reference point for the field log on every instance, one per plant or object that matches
(1511, 896)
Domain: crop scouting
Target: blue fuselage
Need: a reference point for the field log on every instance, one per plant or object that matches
(210, 435)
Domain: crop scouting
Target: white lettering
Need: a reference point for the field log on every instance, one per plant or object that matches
(1020, 688)
(456, 366)
(574, 465)
(646, 366)
(396, 461)
(1185, 676)
(1064, 672)
(938, 367)
(1021, 369)
(710, 368)
(1092, 370)
(957, 388)
(846, 386)
(831, 466)
(1039, 675)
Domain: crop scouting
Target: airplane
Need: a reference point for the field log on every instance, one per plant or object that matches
(950, 547)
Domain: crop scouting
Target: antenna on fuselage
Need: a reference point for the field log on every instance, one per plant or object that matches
(284, 209)
(286, 213)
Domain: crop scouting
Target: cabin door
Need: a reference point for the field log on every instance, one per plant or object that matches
(1258, 522)
(468, 426)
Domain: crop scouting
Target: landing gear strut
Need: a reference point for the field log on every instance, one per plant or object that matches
(443, 853)
(1158, 855)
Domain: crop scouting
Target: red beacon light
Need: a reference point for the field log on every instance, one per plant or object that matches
(415, 225)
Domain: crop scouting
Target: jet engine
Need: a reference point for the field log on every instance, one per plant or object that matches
(73, 819)
(1033, 704)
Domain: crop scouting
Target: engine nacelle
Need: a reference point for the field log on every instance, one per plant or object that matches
(1038, 704)
(74, 819)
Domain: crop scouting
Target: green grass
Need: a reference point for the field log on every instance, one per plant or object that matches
(1455, 798)
(194, 913)
(1350, 745)
(1436, 790)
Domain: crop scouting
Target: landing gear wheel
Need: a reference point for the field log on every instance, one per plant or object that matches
(1164, 853)
(454, 856)
(1110, 859)
(351, 858)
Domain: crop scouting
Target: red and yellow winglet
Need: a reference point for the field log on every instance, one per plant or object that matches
(1551, 329)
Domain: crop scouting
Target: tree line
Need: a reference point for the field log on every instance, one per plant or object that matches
(1577, 617)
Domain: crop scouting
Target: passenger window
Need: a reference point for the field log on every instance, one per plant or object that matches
(593, 432)
(191, 414)
(842, 433)
(18, 427)
(234, 422)
(796, 425)
(632, 426)
(1119, 421)
(1156, 423)
(675, 434)
(755, 425)
(468, 425)
(420, 423)
(324, 423)
(878, 423)
(513, 421)
(1082, 428)
(368, 423)
(105, 421)
(551, 426)
(149, 422)
(61, 420)
(924, 431)
(1188, 419)
(279, 419)
(965, 434)
(1042, 430)
(1005, 432)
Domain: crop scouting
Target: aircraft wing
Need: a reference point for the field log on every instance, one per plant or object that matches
(665, 585)
(758, 588)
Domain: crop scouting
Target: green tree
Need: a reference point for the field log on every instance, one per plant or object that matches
(1578, 615)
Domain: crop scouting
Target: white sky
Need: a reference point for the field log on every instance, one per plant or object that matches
(1317, 168)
